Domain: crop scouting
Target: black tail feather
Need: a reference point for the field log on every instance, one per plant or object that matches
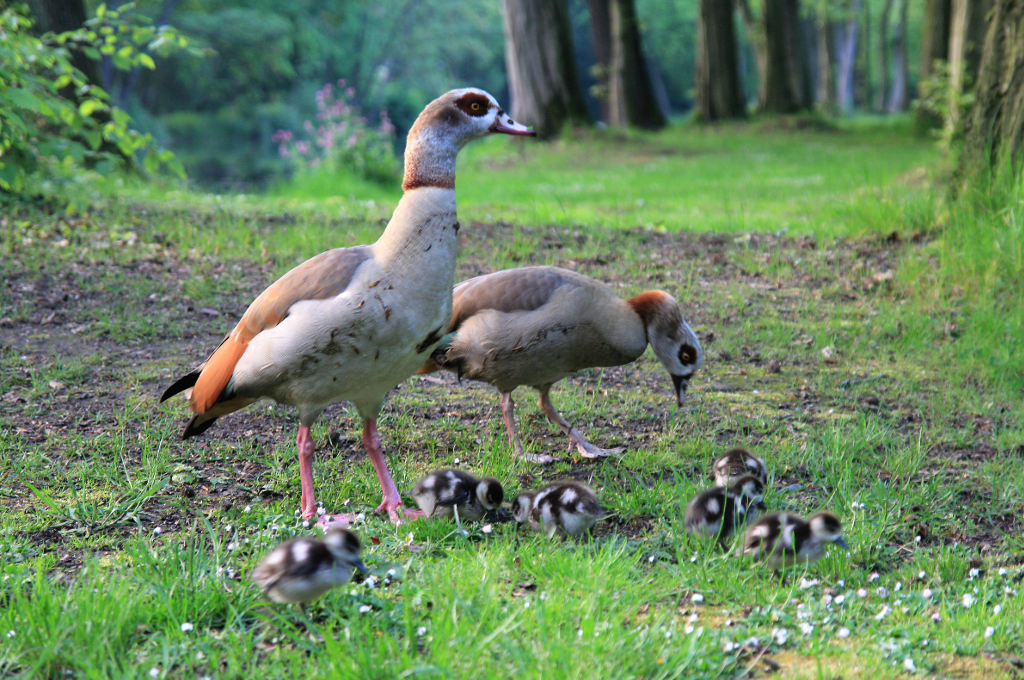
(194, 429)
(181, 384)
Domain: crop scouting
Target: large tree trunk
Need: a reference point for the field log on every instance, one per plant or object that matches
(846, 52)
(601, 35)
(631, 100)
(544, 84)
(934, 47)
(966, 37)
(719, 89)
(994, 138)
(898, 96)
(58, 16)
(787, 87)
(825, 88)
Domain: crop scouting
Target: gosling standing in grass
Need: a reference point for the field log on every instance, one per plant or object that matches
(722, 511)
(303, 569)
(563, 508)
(736, 463)
(445, 493)
(783, 539)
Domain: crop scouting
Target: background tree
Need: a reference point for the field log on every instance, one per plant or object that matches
(934, 48)
(994, 138)
(58, 16)
(631, 98)
(966, 38)
(824, 45)
(898, 93)
(787, 83)
(846, 56)
(544, 84)
(719, 89)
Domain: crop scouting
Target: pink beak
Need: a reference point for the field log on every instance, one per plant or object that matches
(507, 126)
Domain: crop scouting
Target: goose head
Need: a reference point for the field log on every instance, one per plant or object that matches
(673, 341)
(446, 125)
(522, 507)
(344, 548)
(826, 527)
(489, 493)
(749, 490)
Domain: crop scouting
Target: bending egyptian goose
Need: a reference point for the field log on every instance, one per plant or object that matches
(722, 511)
(537, 325)
(563, 508)
(736, 463)
(442, 493)
(303, 569)
(352, 323)
(784, 539)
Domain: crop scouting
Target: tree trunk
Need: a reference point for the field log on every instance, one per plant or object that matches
(718, 85)
(846, 52)
(994, 136)
(755, 36)
(934, 47)
(58, 16)
(544, 84)
(883, 56)
(631, 100)
(787, 83)
(898, 96)
(601, 33)
(966, 36)
(823, 99)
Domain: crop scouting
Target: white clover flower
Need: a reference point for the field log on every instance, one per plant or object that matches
(873, 577)
(156, 530)
(861, 593)
(843, 632)
(689, 629)
(186, 627)
(457, 461)
(908, 664)
(808, 583)
(937, 617)
(998, 608)
(968, 600)
(806, 628)
(839, 599)
(883, 613)
(421, 631)
(697, 598)
(668, 634)
(728, 646)
(1003, 571)
(971, 574)
(154, 672)
(926, 593)
(898, 587)
(881, 591)
(780, 635)
(917, 539)
(921, 575)
(365, 608)
(247, 508)
(579, 632)
(320, 511)
(487, 528)
(840, 583)
(990, 631)
(371, 582)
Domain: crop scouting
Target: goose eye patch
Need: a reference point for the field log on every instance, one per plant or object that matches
(687, 355)
(473, 104)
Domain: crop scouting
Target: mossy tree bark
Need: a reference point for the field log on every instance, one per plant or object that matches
(544, 82)
(719, 89)
(994, 136)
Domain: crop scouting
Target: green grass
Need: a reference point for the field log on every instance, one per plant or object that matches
(113, 534)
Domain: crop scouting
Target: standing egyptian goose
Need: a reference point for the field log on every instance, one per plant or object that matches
(352, 323)
(783, 539)
(536, 325)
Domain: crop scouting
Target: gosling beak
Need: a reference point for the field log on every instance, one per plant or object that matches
(681, 382)
(841, 543)
(507, 126)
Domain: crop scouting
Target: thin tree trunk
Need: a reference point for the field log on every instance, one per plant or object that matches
(994, 137)
(824, 100)
(601, 33)
(786, 87)
(862, 91)
(718, 85)
(898, 96)
(543, 79)
(966, 36)
(883, 56)
(846, 53)
(631, 100)
(755, 36)
(934, 48)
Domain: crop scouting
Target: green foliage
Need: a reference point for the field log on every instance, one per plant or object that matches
(52, 119)
(341, 141)
(947, 103)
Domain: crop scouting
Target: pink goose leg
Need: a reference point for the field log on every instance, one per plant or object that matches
(392, 500)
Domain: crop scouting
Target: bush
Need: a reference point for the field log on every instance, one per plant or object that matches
(52, 119)
(341, 140)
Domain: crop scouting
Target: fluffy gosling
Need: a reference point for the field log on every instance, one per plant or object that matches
(736, 463)
(783, 539)
(563, 508)
(442, 493)
(722, 511)
(303, 569)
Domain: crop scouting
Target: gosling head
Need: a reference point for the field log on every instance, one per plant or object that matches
(826, 527)
(344, 547)
(445, 126)
(490, 493)
(522, 507)
(674, 342)
(750, 488)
